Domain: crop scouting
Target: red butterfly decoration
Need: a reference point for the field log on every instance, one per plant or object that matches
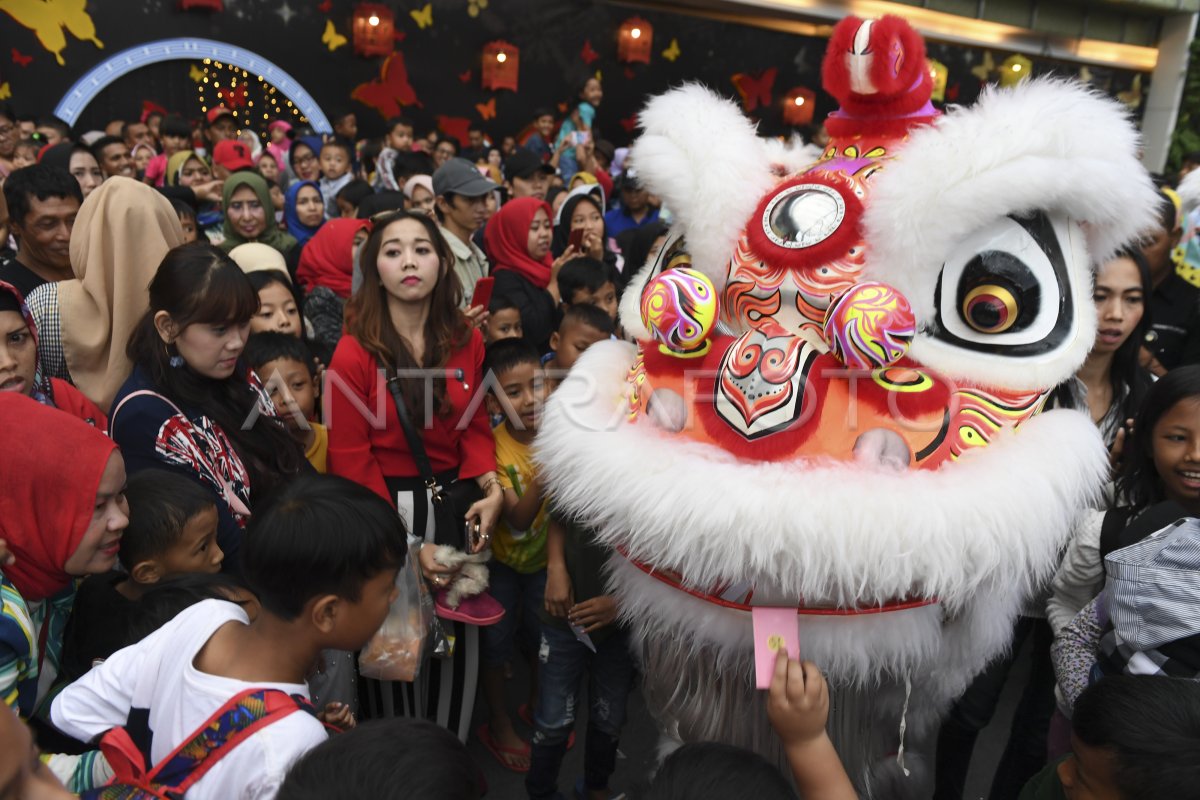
(234, 98)
(455, 127)
(20, 58)
(487, 110)
(325, 7)
(630, 123)
(755, 89)
(465, 77)
(391, 91)
(587, 53)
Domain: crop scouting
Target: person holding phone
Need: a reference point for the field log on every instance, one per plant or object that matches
(460, 203)
(406, 317)
(580, 224)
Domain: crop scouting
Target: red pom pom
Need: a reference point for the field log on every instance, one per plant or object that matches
(890, 60)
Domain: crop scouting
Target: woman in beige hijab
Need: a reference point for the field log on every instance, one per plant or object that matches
(123, 230)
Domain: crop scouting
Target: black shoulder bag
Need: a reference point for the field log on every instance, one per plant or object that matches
(449, 503)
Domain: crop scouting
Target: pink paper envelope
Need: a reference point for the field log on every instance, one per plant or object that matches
(774, 628)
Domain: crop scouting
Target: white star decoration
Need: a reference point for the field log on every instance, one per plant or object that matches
(285, 13)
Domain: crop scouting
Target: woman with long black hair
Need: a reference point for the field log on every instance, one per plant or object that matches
(191, 404)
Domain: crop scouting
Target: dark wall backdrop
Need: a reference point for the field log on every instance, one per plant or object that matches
(552, 36)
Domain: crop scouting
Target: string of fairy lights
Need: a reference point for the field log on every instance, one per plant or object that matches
(257, 94)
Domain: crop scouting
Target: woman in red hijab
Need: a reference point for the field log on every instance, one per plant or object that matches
(325, 271)
(62, 512)
(518, 241)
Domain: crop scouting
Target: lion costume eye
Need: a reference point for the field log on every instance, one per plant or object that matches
(1005, 288)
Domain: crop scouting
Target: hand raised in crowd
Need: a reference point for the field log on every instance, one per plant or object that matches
(798, 707)
(477, 316)
(209, 192)
(591, 615)
(1118, 446)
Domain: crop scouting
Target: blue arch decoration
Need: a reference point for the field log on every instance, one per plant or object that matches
(98, 78)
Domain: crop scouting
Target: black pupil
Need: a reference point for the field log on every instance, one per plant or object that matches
(986, 314)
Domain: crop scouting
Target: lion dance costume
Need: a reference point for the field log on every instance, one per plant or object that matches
(835, 402)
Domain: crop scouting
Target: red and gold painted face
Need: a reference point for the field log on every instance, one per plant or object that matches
(789, 377)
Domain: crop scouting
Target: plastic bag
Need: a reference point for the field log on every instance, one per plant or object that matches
(395, 651)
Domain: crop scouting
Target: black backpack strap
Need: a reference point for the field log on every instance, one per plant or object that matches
(1115, 521)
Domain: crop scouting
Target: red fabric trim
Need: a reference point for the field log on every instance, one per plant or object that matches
(839, 242)
(895, 605)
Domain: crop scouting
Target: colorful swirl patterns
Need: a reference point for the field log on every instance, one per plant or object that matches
(870, 326)
(679, 308)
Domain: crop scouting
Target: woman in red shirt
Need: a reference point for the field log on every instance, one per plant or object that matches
(405, 317)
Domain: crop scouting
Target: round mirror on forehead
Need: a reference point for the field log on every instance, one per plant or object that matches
(803, 215)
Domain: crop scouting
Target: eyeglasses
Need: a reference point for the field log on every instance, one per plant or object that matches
(308, 159)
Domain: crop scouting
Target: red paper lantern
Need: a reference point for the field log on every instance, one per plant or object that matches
(635, 39)
(374, 27)
(501, 63)
(799, 106)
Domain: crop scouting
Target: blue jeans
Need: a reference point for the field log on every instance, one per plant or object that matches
(563, 662)
(521, 594)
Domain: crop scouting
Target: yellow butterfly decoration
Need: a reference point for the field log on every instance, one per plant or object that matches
(5, 91)
(331, 37)
(984, 71)
(196, 74)
(599, 75)
(1133, 97)
(672, 52)
(423, 16)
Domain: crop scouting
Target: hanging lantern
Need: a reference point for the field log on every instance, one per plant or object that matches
(1015, 69)
(202, 5)
(938, 73)
(374, 28)
(501, 63)
(799, 106)
(635, 38)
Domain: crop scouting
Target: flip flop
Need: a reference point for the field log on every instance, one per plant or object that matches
(527, 717)
(504, 755)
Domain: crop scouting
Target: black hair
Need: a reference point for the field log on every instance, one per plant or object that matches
(542, 111)
(103, 142)
(1139, 484)
(161, 602)
(1191, 158)
(197, 283)
(1151, 726)
(584, 273)
(126, 125)
(34, 143)
(636, 244)
(175, 125)
(501, 302)
(1168, 212)
(712, 769)
(182, 208)
(160, 504)
(263, 348)
(57, 124)
(340, 114)
(1127, 376)
(369, 153)
(386, 759)
(589, 315)
(394, 121)
(355, 192)
(405, 165)
(340, 144)
(37, 180)
(320, 534)
(505, 354)
(380, 202)
(451, 141)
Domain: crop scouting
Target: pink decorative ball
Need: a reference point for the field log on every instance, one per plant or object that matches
(870, 326)
(679, 308)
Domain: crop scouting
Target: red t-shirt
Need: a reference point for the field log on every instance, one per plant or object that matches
(366, 441)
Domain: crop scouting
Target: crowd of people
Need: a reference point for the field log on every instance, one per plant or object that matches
(239, 372)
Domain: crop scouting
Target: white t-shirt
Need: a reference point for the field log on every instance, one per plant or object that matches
(158, 674)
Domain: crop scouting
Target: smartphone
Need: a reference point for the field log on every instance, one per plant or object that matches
(582, 137)
(483, 292)
(576, 239)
